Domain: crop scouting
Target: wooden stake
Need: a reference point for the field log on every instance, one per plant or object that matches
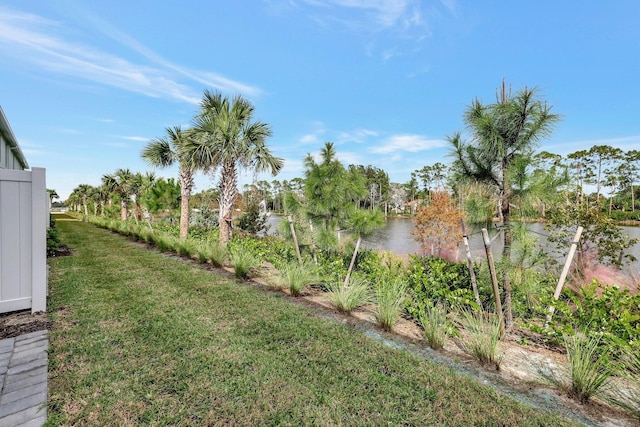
(563, 275)
(494, 278)
(474, 283)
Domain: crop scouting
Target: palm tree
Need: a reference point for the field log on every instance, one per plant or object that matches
(166, 151)
(120, 183)
(226, 137)
(502, 133)
(83, 191)
(53, 194)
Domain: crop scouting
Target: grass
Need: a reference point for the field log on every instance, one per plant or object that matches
(297, 277)
(353, 295)
(139, 338)
(436, 326)
(589, 370)
(483, 338)
(243, 263)
(390, 298)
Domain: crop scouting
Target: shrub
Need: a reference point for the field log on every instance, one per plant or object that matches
(483, 336)
(435, 324)
(390, 298)
(438, 281)
(53, 238)
(589, 370)
(353, 295)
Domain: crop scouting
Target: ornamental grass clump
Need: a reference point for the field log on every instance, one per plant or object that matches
(297, 277)
(186, 247)
(629, 397)
(435, 324)
(483, 337)
(243, 263)
(348, 297)
(589, 369)
(390, 298)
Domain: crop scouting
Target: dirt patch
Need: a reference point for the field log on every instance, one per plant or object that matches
(63, 250)
(22, 322)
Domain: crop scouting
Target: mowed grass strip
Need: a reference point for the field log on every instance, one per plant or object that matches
(142, 339)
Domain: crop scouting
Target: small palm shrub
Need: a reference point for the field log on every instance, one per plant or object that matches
(347, 298)
(435, 324)
(589, 369)
(390, 299)
(297, 277)
(483, 337)
(243, 263)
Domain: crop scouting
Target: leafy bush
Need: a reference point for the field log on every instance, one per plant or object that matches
(601, 310)
(53, 238)
(438, 281)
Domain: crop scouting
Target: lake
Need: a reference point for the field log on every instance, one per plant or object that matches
(396, 237)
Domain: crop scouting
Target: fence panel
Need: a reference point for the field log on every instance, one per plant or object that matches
(23, 223)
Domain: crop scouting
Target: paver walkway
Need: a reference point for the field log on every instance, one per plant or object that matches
(23, 380)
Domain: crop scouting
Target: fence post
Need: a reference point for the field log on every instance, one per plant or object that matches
(39, 215)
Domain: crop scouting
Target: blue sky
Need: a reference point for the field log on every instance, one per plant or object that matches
(86, 83)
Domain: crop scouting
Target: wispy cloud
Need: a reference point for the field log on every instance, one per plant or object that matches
(32, 40)
(408, 143)
(386, 22)
(135, 138)
(358, 136)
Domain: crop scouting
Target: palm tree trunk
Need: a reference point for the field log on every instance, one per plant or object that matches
(353, 261)
(186, 184)
(123, 209)
(228, 190)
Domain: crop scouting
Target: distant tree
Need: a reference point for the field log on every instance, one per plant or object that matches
(398, 197)
(437, 224)
(53, 194)
(120, 182)
(501, 133)
(602, 156)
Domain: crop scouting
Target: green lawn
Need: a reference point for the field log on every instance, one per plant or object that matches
(139, 338)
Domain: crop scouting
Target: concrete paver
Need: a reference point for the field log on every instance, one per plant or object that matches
(23, 380)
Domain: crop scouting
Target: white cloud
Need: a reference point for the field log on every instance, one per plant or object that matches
(30, 39)
(357, 136)
(409, 143)
(135, 138)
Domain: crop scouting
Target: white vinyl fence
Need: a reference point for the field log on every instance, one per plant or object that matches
(24, 216)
